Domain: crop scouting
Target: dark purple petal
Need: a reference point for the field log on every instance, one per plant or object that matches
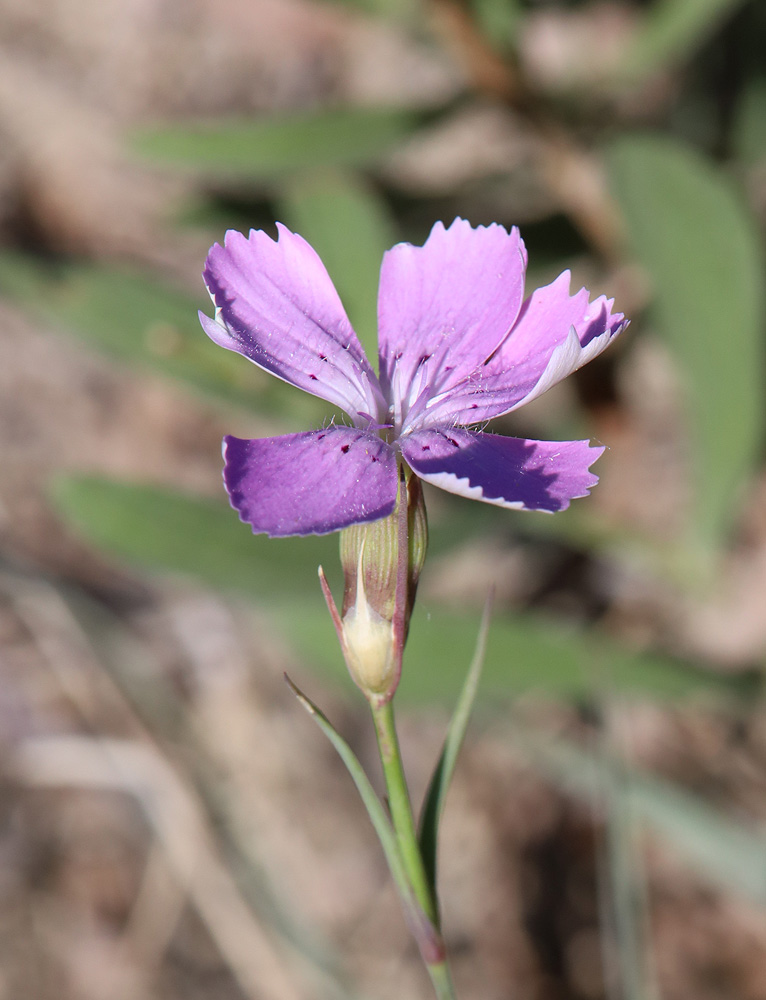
(556, 333)
(508, 472)
(276, 305)
(443, 308)
(312, 483)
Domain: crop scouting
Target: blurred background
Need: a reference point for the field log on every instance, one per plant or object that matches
(172, 825)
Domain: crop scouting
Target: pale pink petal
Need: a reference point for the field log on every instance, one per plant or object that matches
(556, 333)
(443, 308)
(276, 305)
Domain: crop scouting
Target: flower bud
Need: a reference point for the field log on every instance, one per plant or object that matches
(370, 557)
(369, 645)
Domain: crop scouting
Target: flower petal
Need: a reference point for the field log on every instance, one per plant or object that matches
(556, 333)
(311, 483)
(276, 305)
(508, 472)
(443, 308)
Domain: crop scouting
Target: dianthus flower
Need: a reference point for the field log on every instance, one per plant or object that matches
(458, 346)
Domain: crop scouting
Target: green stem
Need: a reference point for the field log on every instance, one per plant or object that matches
(401, 810)
(440, 978)
(424, 926)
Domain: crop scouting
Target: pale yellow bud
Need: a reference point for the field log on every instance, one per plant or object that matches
(370, 556)
(369, 642)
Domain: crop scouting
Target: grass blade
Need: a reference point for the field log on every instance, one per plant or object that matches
(436, 795)
(372, 803)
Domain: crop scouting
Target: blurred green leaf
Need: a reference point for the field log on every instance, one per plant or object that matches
(166, 530)
(523, 654)
(671, 30)
(701, 250)
(268, 149)
(142, 321)
(721, 849)
(498, 20)
(350, 228)
(389, 9)
(749, 128)
(624, 902)
(169, 531)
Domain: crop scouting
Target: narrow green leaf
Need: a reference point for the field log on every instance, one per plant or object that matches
(350, 227)
(136, 319)
(372, 803)
(724, 851)
(698, 244)
(672, 30)
(436, 796)
(268, 149)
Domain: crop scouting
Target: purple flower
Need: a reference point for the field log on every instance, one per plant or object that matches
(458, 346)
